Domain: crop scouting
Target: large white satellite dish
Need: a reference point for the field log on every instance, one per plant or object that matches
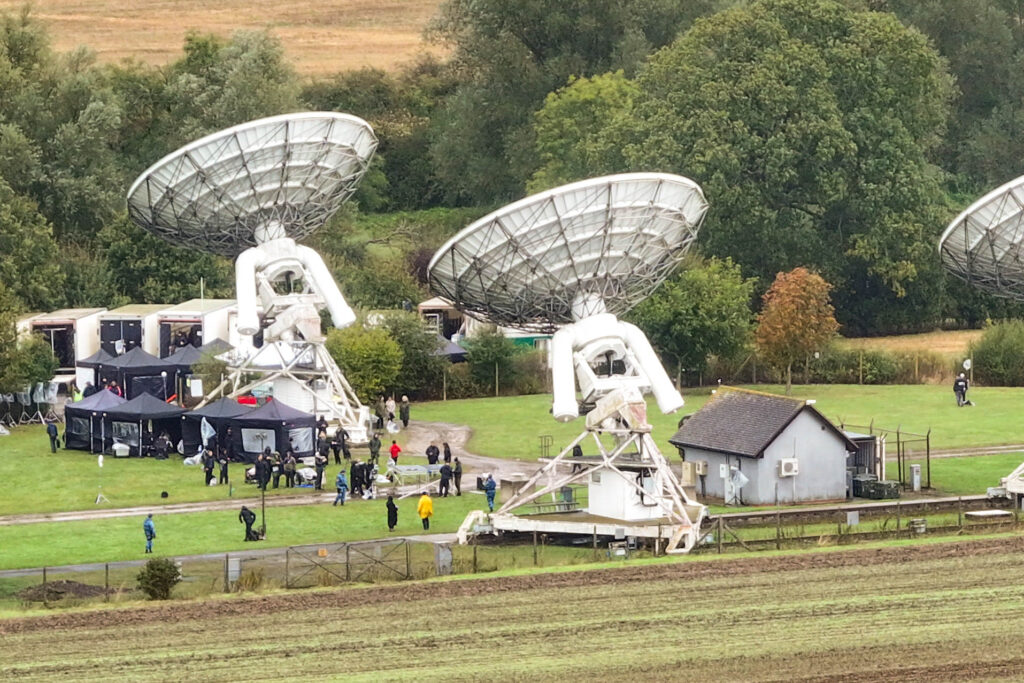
(983, 244)
(252, 191)
(569, 261)
(613, 238)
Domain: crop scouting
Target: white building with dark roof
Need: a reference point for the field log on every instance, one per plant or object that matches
(786, 450)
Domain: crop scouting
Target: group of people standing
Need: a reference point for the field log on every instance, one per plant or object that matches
(385, 411)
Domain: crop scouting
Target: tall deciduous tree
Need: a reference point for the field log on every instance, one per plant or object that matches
(423, 369)
(510, 55)
(369, 357)
(703, 310)
(797, 319)
(491, 357)
(28, 255)
(809, 126)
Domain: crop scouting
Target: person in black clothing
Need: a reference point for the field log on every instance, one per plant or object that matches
(277, 467)
(355, 477)
(403, 411)
(392, 513)
(369, 476)
(577, 452)
(263, 469)
(447, 450)
(321, 425)
(289, 469)
(161, 446)
(51, 431)
(223, 460)
(432, 454)
(340, 442)
(374, 447)
(90, 389)
(446, 479)
(320, 462)
(960, 389)
(229, 444)
(248, 517)
(208, 464)
(457, 476)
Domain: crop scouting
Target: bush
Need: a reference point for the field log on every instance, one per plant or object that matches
(158, 578)
(998, 356)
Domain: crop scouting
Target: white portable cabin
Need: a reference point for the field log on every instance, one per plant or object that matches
(73, 334)
(198, 321)
(122, 329)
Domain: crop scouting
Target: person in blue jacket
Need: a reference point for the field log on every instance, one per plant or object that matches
(490, 486)
(341, 484)
(150, 530)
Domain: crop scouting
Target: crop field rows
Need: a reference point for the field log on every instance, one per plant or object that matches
(927, 612)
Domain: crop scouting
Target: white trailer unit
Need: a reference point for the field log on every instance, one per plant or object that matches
(73, 334)
(195, 322)
(125, 328)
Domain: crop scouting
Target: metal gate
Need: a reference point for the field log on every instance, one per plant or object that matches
(335, 563)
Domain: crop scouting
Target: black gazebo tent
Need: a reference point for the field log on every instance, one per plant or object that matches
(218, 414)
(95, 361)
(272, 426)
(139, 372)
(128, 422)
(450, 349)
(86, 424)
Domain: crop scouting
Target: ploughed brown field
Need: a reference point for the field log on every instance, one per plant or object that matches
(319, 36)
(941, 611)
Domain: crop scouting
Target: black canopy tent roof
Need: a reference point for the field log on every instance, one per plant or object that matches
(95, 361)
(251, 431)
(453, 351)
(146, 408)
(140, 372)
(185, 357)
(218, 414)
(86, 426)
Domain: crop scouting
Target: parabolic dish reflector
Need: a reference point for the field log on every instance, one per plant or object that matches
(613, 238)
(983, 244)
(292, 172)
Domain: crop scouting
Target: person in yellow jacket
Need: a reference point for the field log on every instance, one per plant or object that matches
(425, 508)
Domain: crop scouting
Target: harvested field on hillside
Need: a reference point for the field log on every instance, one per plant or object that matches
(319, 36)
(949, 611)
(947, 342)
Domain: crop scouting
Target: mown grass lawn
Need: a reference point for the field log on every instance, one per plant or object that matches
(112, 540)
(511, 427)
(35, 480)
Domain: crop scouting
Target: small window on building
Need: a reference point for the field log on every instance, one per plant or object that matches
(595, 477)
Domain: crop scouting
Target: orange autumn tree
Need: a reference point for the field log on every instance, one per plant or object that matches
(796, 320)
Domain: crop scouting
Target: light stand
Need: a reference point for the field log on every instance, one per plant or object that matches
(100, 498)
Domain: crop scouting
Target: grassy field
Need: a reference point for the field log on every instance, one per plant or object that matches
(37, 481)
(921, 612)
(511, 427)
(947, 342)
(111, 540)
(319, 36)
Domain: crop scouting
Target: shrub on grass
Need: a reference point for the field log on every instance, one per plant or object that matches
(158, 578)
(999, 355)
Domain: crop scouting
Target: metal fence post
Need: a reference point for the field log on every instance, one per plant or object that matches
(106, 582)
(227, 582)
(534, 547)
(928, 455)
(408, 560)
(778, 530)
(960, 513)
(719, 535)
(898, 521)
(348, 562)
(474, 557)
(287, 567)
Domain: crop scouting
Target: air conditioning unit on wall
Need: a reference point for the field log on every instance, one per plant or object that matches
(789, 467)
(700, 467)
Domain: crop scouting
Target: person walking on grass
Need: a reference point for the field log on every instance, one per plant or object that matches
(374, 446)
(425, 509)
(403, 412)
(457, 477)
(395, 450)
(51, 431)
(341, 484)
(223, 479)
(960, 385)
(150, 531)
(446, 480)
(392, 513)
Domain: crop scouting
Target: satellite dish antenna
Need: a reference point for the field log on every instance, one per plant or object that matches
(251, 192)
(982, 246)
(967, 364)
(569, 261)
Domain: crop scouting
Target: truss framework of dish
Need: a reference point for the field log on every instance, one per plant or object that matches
(294, 170)
(615, 237)
(983, 244)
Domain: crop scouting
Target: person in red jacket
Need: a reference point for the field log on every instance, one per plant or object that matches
(395, 450)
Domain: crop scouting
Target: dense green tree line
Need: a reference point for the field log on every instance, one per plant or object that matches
(835, 135)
